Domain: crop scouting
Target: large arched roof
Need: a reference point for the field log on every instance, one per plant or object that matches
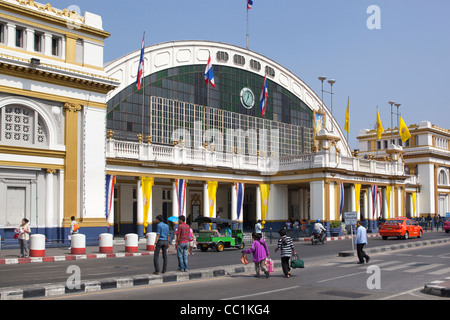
(181, 53)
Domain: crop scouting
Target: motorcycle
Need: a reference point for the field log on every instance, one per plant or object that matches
(319, 238)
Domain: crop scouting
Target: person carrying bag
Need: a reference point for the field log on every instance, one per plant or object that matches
(286, 245)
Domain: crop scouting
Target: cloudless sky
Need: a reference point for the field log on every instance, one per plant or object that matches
(407, 60)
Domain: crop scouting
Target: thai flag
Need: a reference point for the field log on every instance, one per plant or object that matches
(374, 200)
(140, 75)
(209, 74)
(342, 199)
(110, 181)
(264, 97)
(181, 185)
(240, 188)
(249, 4)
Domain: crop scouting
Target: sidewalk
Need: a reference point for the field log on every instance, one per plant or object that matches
(11, 256)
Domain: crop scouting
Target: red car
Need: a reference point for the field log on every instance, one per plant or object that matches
(401, 227)
(447, 225)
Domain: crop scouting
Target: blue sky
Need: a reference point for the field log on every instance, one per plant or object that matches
(407, 60)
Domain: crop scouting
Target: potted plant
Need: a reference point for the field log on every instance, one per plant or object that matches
(335, 228)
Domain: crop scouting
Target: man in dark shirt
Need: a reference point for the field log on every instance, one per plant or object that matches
(162, 234)
(182, 243)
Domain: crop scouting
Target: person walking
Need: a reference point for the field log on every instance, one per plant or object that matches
(182, 244)
(260, 252)
(258, 228)
(74, 229)
(23, 236)
(286, 245)
(161, 244)
(361, 241)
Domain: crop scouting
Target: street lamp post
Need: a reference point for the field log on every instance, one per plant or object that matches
(322, 79)
(331, 82)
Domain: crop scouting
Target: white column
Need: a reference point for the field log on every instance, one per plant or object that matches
(29, 39)
(49, 192)
(205, 200)
(258, 203)
(175, 199)
(317, 200)
(140, 203)
(366, 204)
(385, 204)
(234, 202)
(11, 34)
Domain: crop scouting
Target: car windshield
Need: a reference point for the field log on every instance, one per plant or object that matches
(394, 221)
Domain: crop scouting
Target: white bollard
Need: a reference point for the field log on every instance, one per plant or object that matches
(37, 245)
(78, 245)
(131, 243)
(151, 237)
(106, 243)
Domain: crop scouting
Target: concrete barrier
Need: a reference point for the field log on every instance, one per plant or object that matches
(37, 245)
(78, 244)
(105, 243)
(131, 243)
(151, 237)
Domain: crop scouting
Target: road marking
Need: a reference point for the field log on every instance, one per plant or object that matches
(406, 265)
(401, 293)
(423, 268)
(261, 293)
(347, 275)
(441, 271)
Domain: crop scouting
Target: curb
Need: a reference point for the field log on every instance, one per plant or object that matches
(438, 288)
(53, 290)
(72, 257)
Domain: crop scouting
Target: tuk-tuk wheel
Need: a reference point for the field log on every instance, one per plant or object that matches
(204, 248)
(219, 247)
(241, 246)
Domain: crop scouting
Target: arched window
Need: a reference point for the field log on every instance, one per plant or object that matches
(442, 178)
(22, 126)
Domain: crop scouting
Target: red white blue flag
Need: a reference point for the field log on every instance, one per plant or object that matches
(264, 97)
(249, 4)
(181, 185)
(140, 75)
(240, 188)
(110, 181)
(209, 74)
(374, 200)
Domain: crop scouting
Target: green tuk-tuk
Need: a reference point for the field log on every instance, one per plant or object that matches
(227, 234)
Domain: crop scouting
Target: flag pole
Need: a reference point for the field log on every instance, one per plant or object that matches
(143, 95)
(247, 29)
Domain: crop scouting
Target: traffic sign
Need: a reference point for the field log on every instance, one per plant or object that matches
(350, 218)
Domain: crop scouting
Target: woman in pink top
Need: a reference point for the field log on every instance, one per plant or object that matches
(260, 252)
(24, 234)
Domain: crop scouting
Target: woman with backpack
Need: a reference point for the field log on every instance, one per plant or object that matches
(286, 245)
(260, 252)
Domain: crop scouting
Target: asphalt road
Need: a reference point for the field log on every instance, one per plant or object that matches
(94, 269)
(397, 276)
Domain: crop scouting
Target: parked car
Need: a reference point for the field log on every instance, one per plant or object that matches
(401, 227)
(447, 225)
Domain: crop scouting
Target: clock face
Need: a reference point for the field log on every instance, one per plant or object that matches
(247, 98)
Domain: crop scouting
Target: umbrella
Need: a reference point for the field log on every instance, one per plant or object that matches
(173, 219)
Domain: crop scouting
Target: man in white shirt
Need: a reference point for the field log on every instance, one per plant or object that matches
(361, 241)
(318, 228)
(258, 228)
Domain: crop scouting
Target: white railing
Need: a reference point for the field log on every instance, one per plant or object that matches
(266, 164)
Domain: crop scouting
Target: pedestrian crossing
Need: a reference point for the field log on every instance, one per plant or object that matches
(412, 267)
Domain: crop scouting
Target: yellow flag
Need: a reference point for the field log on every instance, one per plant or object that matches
(380, 128)
(347, 117)
(265, 188)
(357, 195)
(212, 189)
(147, 184)
(405, 135)
(414, 201)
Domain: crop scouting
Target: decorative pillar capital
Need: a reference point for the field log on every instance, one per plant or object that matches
(72, 107)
